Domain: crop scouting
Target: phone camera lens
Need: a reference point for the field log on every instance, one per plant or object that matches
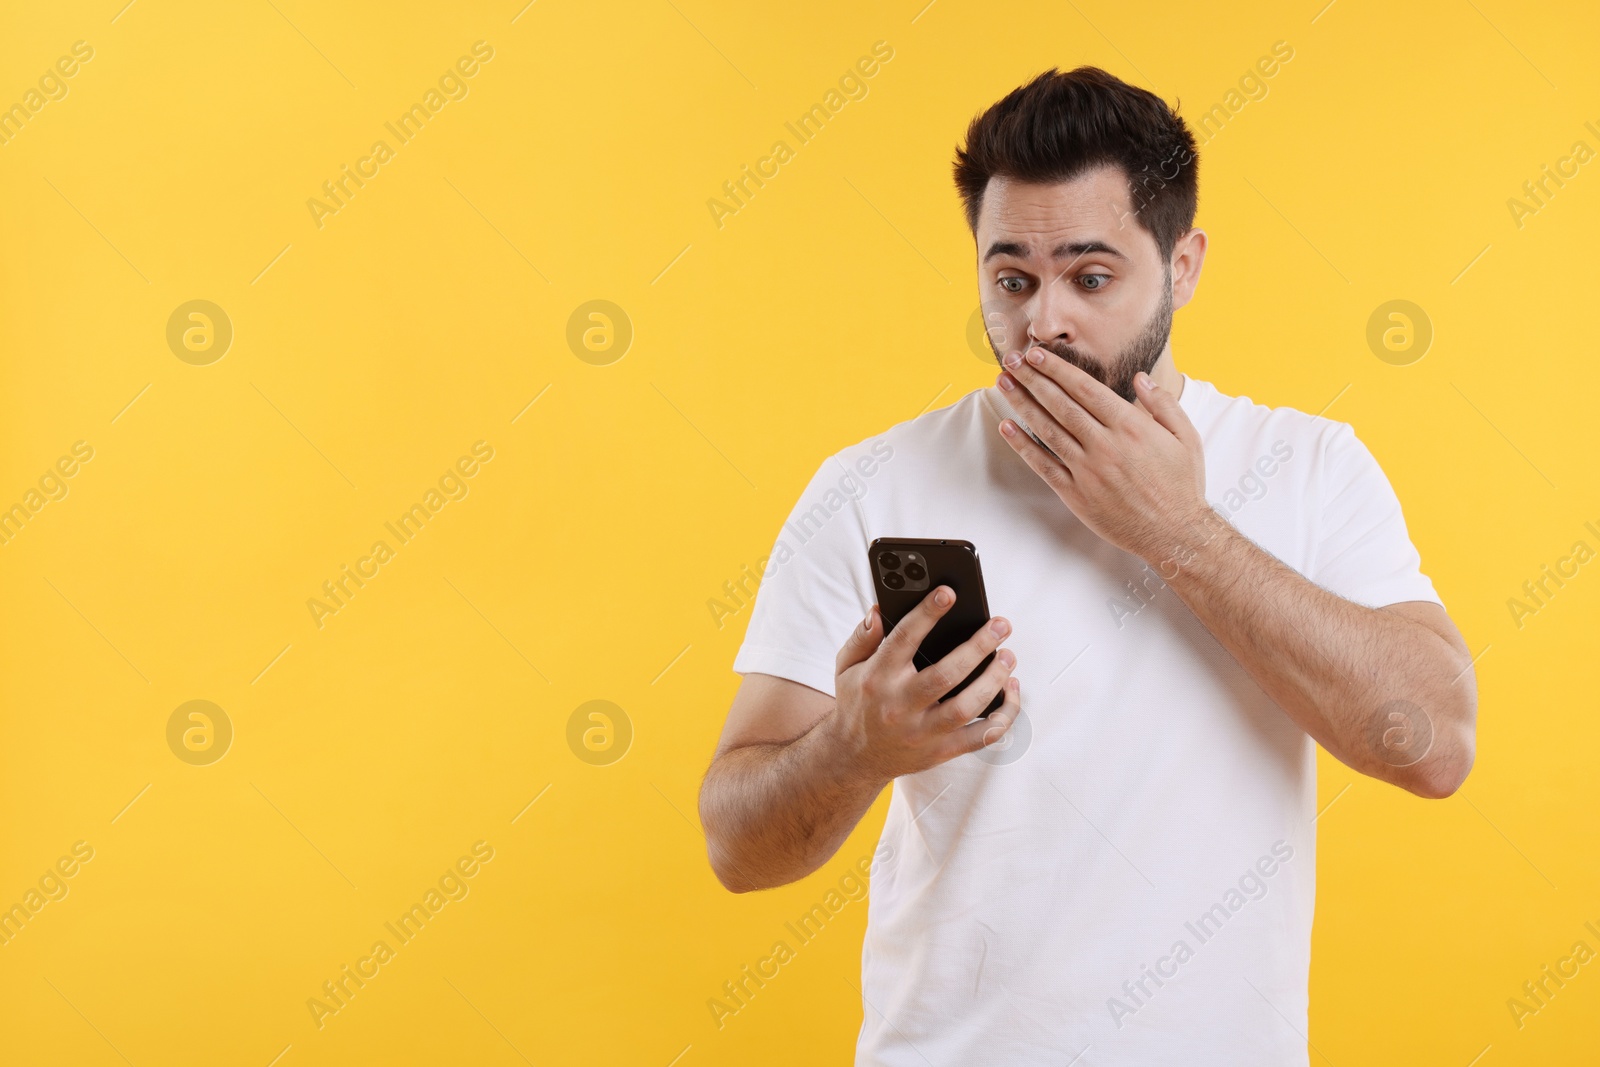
(893, 580)
(889, 561)
(915, 572)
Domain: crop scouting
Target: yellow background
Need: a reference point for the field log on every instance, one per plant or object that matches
(433, 308)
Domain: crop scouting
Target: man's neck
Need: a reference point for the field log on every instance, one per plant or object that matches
(1165, 374)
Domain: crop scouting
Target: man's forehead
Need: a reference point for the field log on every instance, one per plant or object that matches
(1031, 218)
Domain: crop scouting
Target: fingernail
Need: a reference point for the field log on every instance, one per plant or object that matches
(1000, 626)
(1007, 658)
(943, 597)
(1035, 356)
(1012, 359)
(1006, 382)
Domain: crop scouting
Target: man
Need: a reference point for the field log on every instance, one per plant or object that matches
(1117, 866)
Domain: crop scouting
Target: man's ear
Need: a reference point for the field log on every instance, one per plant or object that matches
(1187, 256)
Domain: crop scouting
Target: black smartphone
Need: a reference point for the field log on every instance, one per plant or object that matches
(907, 569)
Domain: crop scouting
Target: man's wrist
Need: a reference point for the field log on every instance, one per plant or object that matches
(1199, 538)
(844, 751)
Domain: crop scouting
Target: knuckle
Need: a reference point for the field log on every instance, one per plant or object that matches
(981, 701)
(940, 678)
(963, 709)
(992, 681)
(974, 740)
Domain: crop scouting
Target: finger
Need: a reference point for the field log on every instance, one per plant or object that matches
(1064, 440)
(935, 681)
(900, 644)
(970, 702)
(862, 642)
(1078, 385)
(1058, 471)
(1166, 410)
(1035, 369)
(986, 732)
(1056, 475)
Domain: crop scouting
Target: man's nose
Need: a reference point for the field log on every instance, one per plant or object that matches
(1053, 316)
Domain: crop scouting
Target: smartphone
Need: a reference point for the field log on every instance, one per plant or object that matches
(906, 569)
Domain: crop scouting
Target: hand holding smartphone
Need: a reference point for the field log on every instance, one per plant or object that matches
(907, 569)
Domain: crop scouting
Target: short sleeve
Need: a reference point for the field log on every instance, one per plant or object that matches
(815, 585)
(1363, 552)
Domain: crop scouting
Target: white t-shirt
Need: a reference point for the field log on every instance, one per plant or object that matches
(1129, 880)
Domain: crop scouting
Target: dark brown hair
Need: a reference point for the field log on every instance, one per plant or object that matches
(1060, 125)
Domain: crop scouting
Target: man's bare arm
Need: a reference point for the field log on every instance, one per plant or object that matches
(1388, 691)
(774, 809)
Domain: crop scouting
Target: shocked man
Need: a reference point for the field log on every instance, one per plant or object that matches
(1117, 866)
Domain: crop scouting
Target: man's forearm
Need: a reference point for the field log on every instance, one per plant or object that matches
(774, 812)
(1377, 690)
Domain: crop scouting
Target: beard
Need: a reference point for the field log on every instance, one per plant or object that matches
(1140, 354)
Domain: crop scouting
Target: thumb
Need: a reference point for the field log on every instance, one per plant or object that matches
(862, 642)
(1165, 409)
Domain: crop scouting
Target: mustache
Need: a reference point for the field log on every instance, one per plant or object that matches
(1086, 363)
(1070, 354)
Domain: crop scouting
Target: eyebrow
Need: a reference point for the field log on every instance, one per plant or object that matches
(1061, 251)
